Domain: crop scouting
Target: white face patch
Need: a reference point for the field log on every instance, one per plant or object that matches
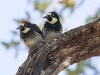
(26, 30)
(54, 20)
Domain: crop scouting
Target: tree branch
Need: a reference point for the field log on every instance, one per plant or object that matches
(50, 57)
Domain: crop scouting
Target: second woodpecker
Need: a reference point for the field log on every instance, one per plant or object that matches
(30, 34)
(52, 26)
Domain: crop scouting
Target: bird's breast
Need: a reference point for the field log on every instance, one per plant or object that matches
(52, 34)
(30, 41)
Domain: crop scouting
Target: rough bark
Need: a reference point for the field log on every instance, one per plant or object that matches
(50, 57)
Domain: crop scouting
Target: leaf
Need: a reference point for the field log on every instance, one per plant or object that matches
(7, 45)
(42, 6)
(79, 69)
(13, 43)
(93, 17)
(41, 26)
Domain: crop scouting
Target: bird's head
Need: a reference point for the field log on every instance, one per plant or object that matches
(52, 17)
(25, 26)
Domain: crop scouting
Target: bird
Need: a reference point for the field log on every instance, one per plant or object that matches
(30, 33)
(52, 27)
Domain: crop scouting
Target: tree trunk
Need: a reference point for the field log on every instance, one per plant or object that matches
(50, 57)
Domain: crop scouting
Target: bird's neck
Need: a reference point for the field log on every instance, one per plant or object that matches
(25, 35)
(57, 23)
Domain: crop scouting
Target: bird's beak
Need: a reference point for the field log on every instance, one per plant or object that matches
(20, 27)
(45, 17)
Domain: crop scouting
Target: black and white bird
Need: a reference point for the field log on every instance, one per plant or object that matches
(30, 33)
(52, 26)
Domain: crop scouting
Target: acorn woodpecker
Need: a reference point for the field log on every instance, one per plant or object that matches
(52, 26)
(30, 33)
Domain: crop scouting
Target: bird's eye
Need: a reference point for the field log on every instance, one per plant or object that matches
(25, 25)
(52, 15)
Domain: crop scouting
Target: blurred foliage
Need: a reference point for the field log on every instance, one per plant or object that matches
(41, 26)
(41, 6)
(68, 3)
(79, 69)
(11, 44)
(94, 17)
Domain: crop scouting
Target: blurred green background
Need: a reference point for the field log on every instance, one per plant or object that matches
(73, 13)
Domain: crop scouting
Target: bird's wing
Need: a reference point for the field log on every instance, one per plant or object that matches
(44, 32)
(37, 29)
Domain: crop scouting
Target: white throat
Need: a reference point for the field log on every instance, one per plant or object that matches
(54, 20)
(26, 30)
